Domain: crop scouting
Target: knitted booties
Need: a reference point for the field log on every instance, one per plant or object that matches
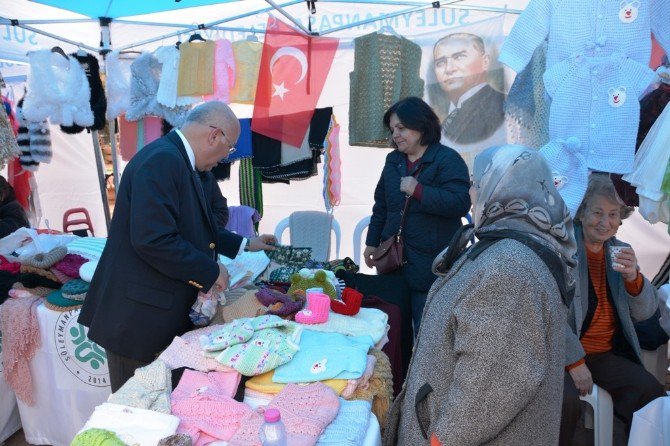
(316, 312)
(351, 302)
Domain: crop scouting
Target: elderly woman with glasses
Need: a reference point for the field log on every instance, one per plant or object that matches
(610, 294)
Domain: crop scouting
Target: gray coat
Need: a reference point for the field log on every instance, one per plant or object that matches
(488, 362)
(629, 308)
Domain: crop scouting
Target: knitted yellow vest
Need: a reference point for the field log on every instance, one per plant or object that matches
(196, 68)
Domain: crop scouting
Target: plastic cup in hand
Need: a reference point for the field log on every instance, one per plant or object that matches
(614, 252)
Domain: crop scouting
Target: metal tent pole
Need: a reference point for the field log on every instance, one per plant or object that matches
(101, 176)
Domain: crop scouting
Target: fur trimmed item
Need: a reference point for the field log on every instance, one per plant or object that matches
(145, 74)
(34, 140)
(58, 90)
(98, 100)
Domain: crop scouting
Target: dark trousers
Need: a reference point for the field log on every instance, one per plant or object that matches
(629, 384)
(121, 369)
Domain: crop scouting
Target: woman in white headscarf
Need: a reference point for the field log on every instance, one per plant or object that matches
(488, 364)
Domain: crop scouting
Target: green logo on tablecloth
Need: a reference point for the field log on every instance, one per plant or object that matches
(82, 357)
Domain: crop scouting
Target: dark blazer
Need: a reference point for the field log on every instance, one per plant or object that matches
(478, 118)
(431, 222)
(160, 251)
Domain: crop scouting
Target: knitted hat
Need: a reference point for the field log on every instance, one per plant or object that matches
(279, 303)
(29, 270)
(75, 289)
(45, 260)
(70, 265)
(56, 302)
(305, 279)
(87, 270)
(97, 437)
(569, 170)
(62, 278)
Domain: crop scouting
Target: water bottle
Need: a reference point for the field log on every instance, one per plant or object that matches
(273, 432)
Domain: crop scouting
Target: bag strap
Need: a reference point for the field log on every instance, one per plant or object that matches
(404, 210)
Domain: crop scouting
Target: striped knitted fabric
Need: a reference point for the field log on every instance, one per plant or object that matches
(251, 187)
(349, 426)
(34, 141)
(380, 387)
(87, 247)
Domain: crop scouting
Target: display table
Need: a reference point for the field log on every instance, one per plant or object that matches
(70, 377)
(9, 412)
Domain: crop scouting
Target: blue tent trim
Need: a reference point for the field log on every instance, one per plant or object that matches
(125, 8)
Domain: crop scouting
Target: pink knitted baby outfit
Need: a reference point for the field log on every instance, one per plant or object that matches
(185, 351)
(203, 403)
(306, 410)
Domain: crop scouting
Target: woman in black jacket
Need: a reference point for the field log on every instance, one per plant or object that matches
(435, 178)
(12, 215)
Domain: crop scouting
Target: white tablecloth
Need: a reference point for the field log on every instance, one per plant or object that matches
(9, 412)
(70, 377)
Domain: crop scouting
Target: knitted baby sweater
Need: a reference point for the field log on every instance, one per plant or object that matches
(265, 385)
(196, 68)
(167, 89)
(149, 389)
(575, 26)
(185, 351)
(607, 123)
(247, 62)
(349, 426)
(224, 71)
(368, 321)
(325, 356)
(118, 84)
(204, 404)
(305, 411)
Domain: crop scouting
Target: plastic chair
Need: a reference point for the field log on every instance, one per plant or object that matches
(86, 220)
(358, 235)
(602, 418)
(335, 227)
(656, 362)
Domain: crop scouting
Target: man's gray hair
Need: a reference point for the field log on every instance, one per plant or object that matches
(474, 39)
(209, 113)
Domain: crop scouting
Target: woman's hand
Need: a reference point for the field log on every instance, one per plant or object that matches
(581, 376)
(408, 184)
(628, 261)
(367, 256)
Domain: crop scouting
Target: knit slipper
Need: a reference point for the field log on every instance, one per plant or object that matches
(351, 305)
(316, 312)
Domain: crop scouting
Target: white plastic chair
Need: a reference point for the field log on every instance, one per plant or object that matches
(358, 236)
(656, 362)
(602, 417)
(335, 227)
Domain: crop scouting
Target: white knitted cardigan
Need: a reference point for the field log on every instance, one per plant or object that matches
(58, 90)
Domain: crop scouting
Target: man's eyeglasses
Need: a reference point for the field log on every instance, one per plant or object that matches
(232, 147)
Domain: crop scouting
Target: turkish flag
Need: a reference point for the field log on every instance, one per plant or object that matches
(291, 77)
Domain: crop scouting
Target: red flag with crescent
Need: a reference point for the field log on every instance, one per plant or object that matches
(291, 76)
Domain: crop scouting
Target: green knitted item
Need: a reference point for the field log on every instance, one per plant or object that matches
(301, 281)
(266, 350)
(55, 301)
(251, 187)
(75, 289)
(97, 437)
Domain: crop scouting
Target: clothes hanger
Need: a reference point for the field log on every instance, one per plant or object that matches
(196, 36)
(388, 29)
(81, 52)
(252, 37)
(59, 50)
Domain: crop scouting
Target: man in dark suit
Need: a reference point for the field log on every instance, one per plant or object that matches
(469, 108)
(163, 243)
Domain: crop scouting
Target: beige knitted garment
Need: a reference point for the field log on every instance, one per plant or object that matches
(246, 305)
(380, 388)
(196, 68)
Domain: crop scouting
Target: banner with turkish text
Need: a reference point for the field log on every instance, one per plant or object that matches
(292, 74)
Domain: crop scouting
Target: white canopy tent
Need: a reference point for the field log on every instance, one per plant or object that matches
(28, 25)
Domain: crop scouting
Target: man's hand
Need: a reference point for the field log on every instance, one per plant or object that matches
(367, 256)
(581, 375)
(408, 184)
(222, 281)
(264, 242)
